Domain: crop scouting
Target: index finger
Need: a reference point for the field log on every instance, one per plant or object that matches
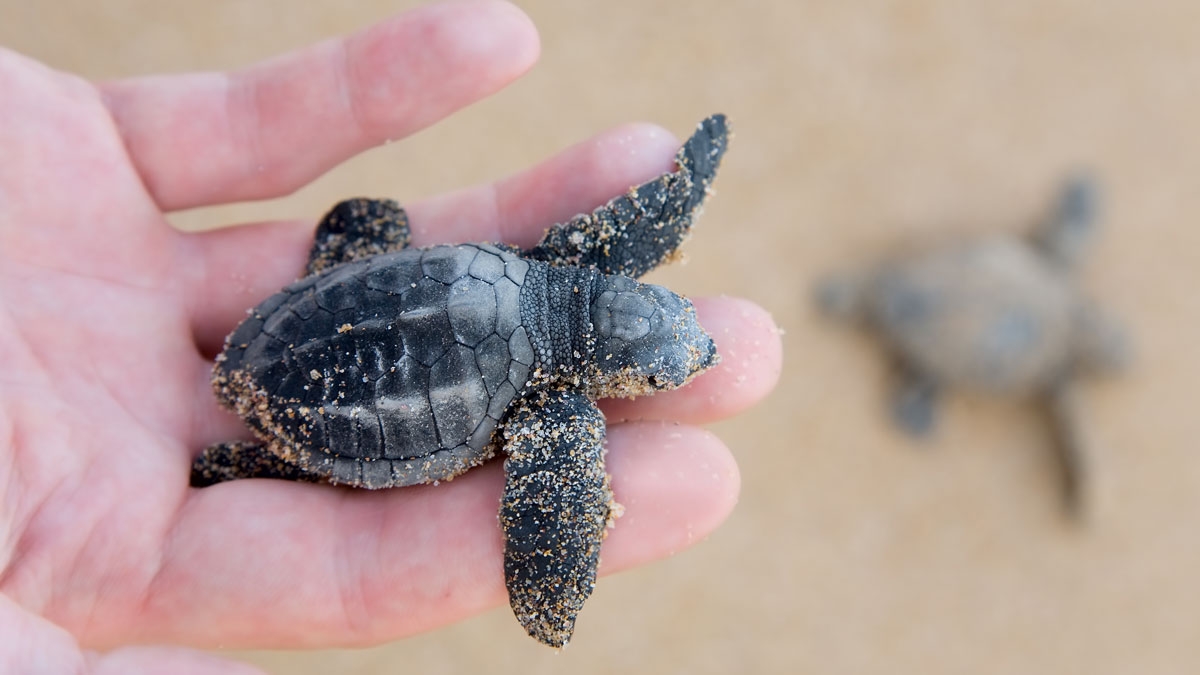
(209, 138)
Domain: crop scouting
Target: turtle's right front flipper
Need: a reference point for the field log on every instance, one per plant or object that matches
(635, 232)
(556, 508)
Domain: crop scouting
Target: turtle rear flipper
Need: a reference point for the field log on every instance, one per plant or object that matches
(355, 229)
(244, 459)
(914, 402)
(615, 238)
(1070, 445)
(556, 508)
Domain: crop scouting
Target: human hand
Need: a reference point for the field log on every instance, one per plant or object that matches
(111, 318)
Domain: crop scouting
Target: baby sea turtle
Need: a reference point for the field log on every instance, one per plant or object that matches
(387, 366)
(997, 314)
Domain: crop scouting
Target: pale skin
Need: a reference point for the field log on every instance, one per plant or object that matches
(111, 318)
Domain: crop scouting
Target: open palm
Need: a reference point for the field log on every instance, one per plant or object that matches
(109, 319)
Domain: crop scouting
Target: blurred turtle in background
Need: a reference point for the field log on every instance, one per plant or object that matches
(999, 314)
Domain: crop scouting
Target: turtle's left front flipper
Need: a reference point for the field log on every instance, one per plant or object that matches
(557, 506)
(635, 232)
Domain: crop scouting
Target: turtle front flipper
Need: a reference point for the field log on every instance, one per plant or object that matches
(1069, 227)
(634, 233)
(243, 459)
(557, 506)
(355, 229)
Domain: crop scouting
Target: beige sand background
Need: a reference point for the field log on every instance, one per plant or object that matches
(859, 124)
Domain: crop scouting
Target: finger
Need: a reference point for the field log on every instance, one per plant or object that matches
(269, 129)
(269, 563)
(751, 362)
(227, 271)
(224, 273)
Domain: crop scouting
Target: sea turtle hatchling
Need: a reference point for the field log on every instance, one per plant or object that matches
(998, 314)
(387, 366)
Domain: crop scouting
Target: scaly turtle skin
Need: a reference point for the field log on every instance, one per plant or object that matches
(387, 366)
(995, 314)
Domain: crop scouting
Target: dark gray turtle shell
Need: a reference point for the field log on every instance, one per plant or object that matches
(989, 313)
(391, 370)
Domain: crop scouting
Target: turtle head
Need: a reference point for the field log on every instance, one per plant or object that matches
(647, 339)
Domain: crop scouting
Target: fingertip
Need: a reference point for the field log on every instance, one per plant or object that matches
(751, 349)
(473, 40)
(635, 149)
(498, 27)
(513, 35)
(675, 491)
(413, 69)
